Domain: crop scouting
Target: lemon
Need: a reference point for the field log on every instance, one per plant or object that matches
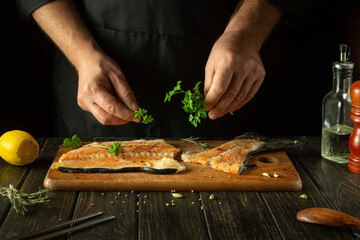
(18, 147)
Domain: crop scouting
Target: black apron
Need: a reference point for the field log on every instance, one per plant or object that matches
(156, 43)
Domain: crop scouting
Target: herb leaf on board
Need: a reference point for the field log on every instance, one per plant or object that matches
(115, 148)
(73, 142)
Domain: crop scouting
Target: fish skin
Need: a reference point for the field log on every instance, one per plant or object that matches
(151, 156)
(120, 170)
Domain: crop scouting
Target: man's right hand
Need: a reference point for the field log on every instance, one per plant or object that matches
(104, 91)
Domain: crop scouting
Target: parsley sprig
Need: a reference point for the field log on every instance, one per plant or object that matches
(73, 142)
(177, 89)
(194, 102)
(115, 148)
(142, 113)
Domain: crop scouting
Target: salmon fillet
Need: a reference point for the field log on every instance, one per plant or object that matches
(151, 156)
(229, 157)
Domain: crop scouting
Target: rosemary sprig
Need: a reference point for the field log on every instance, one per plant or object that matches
(193, 140)
(20, 201)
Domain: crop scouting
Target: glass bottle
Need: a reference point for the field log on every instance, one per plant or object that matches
(336, 111)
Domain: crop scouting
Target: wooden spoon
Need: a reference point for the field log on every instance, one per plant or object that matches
(326, 216)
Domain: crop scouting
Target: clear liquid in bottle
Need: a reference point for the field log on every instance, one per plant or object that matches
(335, 143)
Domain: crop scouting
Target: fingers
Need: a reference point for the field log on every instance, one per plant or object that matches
(104, 91)
(104, 117)
(241, 89)
(228, 97)
(251, 93)
(112, 106)
(233, 73)
(219, 86)
(106, 94)
(123, 90)
(209, 75)
(105, 107)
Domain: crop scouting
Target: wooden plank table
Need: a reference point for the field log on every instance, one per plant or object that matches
(230, 215)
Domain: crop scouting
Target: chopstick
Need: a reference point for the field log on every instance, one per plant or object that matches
(74, 229)
(55, 231)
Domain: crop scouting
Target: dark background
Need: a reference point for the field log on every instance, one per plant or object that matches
(297, 57)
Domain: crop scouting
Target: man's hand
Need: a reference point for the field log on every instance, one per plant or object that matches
(234, 71)
(104, 91)
(233, 74)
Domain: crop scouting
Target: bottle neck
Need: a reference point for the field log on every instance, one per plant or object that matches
(342, 80)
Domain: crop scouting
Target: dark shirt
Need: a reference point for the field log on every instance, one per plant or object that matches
(296, 8)
(157, 44)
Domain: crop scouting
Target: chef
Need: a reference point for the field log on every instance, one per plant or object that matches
(117, 55)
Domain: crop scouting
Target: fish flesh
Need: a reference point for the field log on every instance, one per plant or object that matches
(228, 157)
(150, 156)
(233, 156)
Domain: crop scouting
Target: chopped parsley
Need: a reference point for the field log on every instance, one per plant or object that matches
(142, 113)
(115, 148)
(73, 142)
(194, 102)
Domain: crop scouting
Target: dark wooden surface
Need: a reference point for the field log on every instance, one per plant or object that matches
(230, 215)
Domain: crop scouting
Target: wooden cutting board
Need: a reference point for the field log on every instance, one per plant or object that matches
(195, 177)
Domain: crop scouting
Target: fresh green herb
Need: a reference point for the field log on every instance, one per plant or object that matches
(73, 142)
(177, 89)
(142, 113)
(20, 201)
(115, 148)
(193, 103)
(193, 140)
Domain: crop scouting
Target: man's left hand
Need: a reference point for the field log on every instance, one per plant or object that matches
(233, 74)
